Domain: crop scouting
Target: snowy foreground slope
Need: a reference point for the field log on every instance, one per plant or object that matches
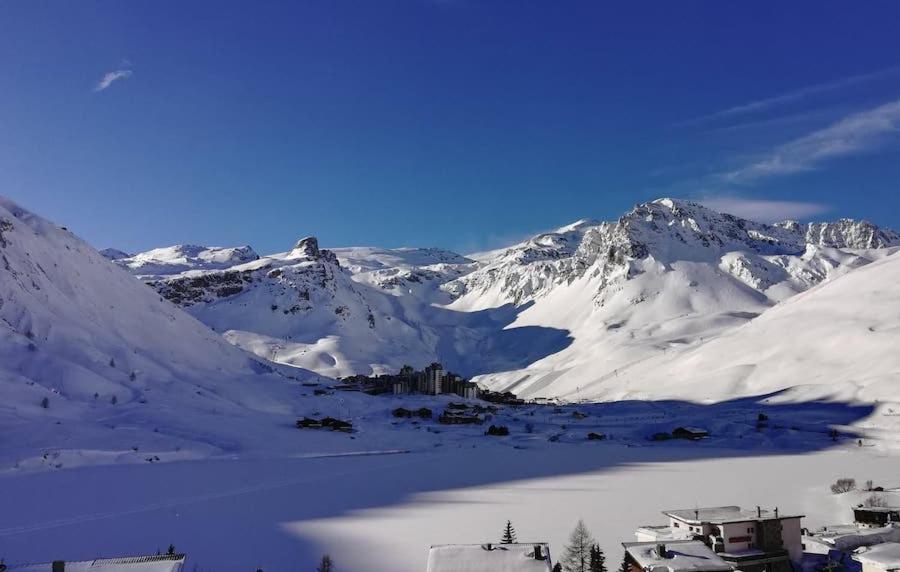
(563, 314)
(93, 362)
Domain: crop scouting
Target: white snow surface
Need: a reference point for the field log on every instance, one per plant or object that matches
(518, 557)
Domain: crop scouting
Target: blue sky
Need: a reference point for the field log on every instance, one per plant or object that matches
(454, 123)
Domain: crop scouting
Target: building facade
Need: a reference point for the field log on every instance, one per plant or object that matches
(750, 540)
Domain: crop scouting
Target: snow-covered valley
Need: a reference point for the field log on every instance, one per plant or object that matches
(151, 399)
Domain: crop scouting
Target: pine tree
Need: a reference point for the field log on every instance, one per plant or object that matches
(509, 534)
(624, 567)
(598, 560)
(557, 567)
(578, 551)
(326, 564)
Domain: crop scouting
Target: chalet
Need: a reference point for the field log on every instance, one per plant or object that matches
(673, 556)
(692, 433)
(158, 563)
(882, 558)
(875, 516)
(327, 422)
(749, 540)
(347, 387)
(497, 431)
(845, 538)
(337, 424)
(422, 412)
(516, 557)
(307, 423)
(402, 412)
(449, 417)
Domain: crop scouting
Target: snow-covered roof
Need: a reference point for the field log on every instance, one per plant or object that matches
(680, 555)
(663, 532)
(723, 514)
(159, 563)
(886, 556)
(519, 557)
(850, 536)
(877, 508)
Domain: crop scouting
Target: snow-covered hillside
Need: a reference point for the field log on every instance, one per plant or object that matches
(838, 341)
(92, 358)
(560, 314)
(669, 275)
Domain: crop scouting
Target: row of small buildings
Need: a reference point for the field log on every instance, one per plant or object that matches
(716, 539)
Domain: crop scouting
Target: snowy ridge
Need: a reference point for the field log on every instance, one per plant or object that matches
(552, 316)
(180, 258)
(666, 230)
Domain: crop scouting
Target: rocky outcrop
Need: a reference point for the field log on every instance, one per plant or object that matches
(666, 230)
(309, 248)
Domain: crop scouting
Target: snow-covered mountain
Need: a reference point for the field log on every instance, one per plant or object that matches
(665, 231)
(559, 314)
(181, 258)
(89, 355)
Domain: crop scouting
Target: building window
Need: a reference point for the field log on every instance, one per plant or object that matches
(676, 525)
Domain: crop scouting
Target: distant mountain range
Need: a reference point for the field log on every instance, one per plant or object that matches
(593, 310)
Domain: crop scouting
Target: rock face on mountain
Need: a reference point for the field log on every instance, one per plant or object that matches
(549, 316)
(665, 231)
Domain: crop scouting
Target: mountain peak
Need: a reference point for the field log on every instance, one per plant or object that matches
(308, 247)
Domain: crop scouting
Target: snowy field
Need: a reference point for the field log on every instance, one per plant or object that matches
(382, 510)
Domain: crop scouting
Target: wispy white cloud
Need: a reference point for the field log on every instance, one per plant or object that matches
(764, 210)
(854, 134)
(112, 77)
(766, 104)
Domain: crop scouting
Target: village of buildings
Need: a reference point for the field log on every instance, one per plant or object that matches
(701, 539)
(711, 539)
(433, 380)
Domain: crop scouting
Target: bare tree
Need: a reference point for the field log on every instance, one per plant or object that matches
(875, 501)
(577, 557)
(843, 485)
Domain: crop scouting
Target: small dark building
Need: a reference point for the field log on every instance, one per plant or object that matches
(876, 516)
(692, 433)
(497, 431)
